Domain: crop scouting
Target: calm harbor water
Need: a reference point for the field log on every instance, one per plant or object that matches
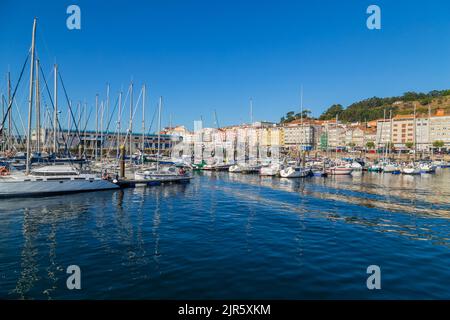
(234, 236)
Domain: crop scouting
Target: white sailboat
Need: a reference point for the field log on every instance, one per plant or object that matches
(46, 180)
(51, 180)
(271, 170)
(410, 169)
(160, 172)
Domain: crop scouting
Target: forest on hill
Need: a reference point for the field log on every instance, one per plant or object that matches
(374, 108)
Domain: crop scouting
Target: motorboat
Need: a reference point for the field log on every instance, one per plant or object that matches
(427, 168)
(339, 170)
(410, 169)
(295, 172)
(271, 170)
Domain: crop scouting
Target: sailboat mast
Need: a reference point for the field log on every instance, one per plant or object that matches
(414, 134)
(118, 124)
(55, 113)
(251, 111)
(390, 134)
(102, 107)
(96, 127)
(30, 98)
(10, 112)
(143, 124)
(302, 133)
(131, 121)
(159, 132)
(38, 110)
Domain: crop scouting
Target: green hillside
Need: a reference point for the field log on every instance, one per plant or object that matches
(373, 108)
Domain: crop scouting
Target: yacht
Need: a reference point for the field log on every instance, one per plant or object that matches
(244, 168)
(271, 170)
(50, 180)
(163, 173)
(295, 172)
(339, 170)
(410, 169)
(427, 167)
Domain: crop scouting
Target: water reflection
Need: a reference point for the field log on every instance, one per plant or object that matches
(133, 234)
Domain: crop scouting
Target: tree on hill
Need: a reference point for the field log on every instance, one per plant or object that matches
(331, 112)
(291, 116)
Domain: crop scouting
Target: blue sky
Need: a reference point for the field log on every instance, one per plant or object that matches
(211, 55)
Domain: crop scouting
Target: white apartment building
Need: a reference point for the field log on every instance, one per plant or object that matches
(384, 132)
(299, 135)
(440, 129)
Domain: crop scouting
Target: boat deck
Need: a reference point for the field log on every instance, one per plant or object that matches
(132, 183)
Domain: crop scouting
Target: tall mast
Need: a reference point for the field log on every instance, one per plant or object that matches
(414, 134)
(390, 132)
(3, 115)
(131, 121)
(96, 127)
(30, 98)
(10, 112)
(119, 124)
(38, 110)
(55, 111)
(382, 131)
(143, 124)
(159, 132)
(301, 105)
(302, 133)
(69, 121)
(107, 102)
(429, 125)
(251, 111)
(102, 107)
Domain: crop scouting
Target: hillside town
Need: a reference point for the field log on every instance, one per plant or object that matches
(432, 132)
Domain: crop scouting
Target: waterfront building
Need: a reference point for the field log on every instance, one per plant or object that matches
(295, 135)
(384, 132)
(402, 130)
(440, 128)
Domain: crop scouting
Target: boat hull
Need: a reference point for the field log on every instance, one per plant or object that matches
(339, 171)
(13, 189)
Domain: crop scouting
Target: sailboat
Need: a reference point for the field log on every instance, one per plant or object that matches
(48, 179)
(295, 172)
(160, 172)
(272, 169)
(410, 169)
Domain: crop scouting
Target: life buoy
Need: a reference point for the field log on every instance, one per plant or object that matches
(4, 171)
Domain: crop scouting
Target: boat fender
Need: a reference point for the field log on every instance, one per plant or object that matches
(4, 171)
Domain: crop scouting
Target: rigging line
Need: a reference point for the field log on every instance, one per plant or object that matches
(151, 124)
(125, 102)
(70, 107)
(132, 117)
(117, 126)
(114, 110)
(53, 108)
(20, 117)
(14, 94)
(84, 130)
